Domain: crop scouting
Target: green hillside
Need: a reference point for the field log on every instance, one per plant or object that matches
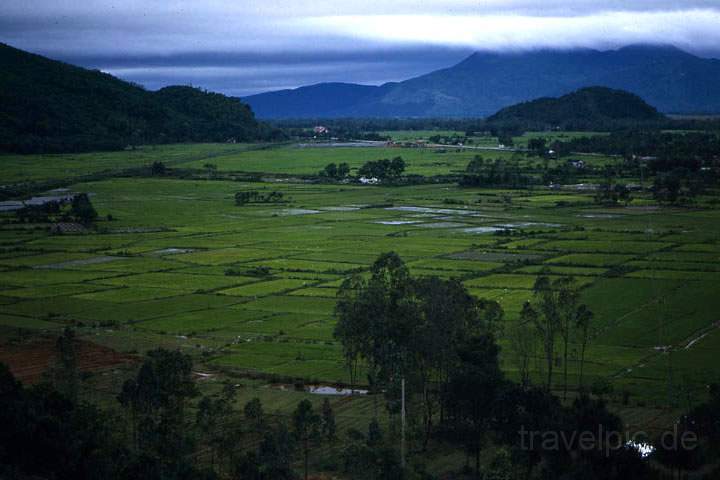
(50, 106)
(587, 108)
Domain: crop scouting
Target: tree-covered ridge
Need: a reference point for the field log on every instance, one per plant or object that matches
(50, 106)
(587, 108)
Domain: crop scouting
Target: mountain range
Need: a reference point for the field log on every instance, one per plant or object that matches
(672, 80)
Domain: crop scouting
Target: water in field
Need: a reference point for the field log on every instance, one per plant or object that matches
(355, 144)
(599, 215)
(348, 208)
(527, 225)
(11, 206)
(172, 251)
(443, 225)
(482, 230)
(297, 211)
(398, 222)
(436, 211)
(80, 262)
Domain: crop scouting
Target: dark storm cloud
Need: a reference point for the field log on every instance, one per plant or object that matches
(240, 47)
(242, 74)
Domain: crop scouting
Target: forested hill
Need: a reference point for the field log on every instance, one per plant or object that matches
(596, 108)
(50, 106)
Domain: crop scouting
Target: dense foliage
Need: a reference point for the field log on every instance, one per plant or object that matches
(494, 173)
(383, 169)
(50, 106)
(596, 108)
(335, 171)
(665, 150)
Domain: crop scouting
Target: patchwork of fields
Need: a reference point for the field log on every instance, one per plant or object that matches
(252, 288)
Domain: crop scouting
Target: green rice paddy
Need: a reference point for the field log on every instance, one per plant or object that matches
(157, 273)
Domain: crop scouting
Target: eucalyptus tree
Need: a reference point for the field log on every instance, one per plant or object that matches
(557, 312)
(64, 374)
(327, 422)
(583, 324)
(157, 398)
(544, 315)
(306, 424)
(472, 393)
(567, 297)
(523, 343)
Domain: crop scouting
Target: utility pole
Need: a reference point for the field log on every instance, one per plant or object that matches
(402, 415)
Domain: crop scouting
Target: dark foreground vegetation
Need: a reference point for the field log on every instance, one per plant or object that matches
(428, 349)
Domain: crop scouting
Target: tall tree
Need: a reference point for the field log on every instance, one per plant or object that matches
(275, 454)
(64, 373)
(327, 422)
(157, 398)
(523, 343)
(214, 420)
(472, 391)
(546, 320)
(305, 428)
(254, 414)
(343, 170)
(567, 297)
(583, 324)
(82, 209)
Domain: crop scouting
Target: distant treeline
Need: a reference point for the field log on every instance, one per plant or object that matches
(367, 129)
(664, 150)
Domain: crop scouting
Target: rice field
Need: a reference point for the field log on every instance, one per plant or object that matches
(252, 288)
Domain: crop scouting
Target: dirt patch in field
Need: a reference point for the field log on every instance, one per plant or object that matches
(29, 360)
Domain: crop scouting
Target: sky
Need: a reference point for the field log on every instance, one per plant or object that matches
(243, 47)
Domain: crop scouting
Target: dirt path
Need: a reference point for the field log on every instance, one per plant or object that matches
(29, 360)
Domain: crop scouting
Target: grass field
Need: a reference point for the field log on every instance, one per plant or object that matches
(156, 273)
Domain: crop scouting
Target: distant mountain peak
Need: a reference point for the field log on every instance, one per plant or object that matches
(652, 47)
(486, 81)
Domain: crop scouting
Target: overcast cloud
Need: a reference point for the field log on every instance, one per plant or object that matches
(243, 47)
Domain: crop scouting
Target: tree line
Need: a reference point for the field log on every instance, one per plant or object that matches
(383, 169)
